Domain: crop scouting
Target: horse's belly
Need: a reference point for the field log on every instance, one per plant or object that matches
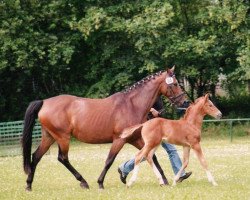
(94, 136)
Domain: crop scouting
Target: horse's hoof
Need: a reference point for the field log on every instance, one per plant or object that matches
(101, 187)
(84, 185)
(165, 182)
(28, 189)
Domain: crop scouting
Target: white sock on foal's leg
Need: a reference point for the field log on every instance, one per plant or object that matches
(134, 176)
(177, 176)
(211, 178)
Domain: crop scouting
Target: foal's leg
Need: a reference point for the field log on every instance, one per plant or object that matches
(139, 145)
(198, 151)
(63, 158)
(46, 142)
(143, 153)
(156, 171)
(186, 153)
(138, 158)
(115, 148)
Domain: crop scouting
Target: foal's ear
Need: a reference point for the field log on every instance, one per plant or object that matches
(207, 96)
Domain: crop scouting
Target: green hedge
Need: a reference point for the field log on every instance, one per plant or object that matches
(235, 107)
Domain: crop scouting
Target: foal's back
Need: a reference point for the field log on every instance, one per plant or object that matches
(178, 132)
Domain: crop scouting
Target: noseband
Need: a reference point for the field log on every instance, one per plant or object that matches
(176, 99)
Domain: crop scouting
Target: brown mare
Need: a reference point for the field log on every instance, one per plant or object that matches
(185, 132)
(95, 121)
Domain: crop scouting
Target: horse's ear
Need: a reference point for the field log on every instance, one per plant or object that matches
(173, 68)
(171, 71)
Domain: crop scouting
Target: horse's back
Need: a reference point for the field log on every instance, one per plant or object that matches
(54, 113)
(89, 120)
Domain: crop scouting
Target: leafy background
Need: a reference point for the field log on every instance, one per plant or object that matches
(95, 48)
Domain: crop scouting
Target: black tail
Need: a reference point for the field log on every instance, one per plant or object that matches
(29, 122)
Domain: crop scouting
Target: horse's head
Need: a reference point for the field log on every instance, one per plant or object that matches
(172, 90)
(210, 109)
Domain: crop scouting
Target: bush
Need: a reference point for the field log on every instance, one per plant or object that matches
(235, 107)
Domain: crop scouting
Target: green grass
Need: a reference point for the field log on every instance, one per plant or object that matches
(229, 163)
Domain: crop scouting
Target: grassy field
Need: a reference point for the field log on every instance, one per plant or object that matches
(229, 163)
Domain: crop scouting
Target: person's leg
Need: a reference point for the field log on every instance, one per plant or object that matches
(173, 157)
(127, 166)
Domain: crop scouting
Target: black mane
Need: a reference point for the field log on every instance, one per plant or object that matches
(142, 81)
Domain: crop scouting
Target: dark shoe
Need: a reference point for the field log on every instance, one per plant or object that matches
(184, 177)
(122, 176)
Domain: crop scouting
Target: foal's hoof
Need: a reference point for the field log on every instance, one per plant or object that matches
(215, 184)
(84, 185)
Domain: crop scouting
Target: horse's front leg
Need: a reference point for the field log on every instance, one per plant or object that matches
(198, 151)
(186, 153)
(115, 148)
(139, 145)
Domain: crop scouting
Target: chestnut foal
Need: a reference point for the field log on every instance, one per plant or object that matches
(185, 132)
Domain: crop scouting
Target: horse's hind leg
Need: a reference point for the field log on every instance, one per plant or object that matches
(45, 144)
(63, 158)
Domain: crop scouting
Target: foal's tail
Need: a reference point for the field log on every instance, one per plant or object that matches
(29, 122)
(129, 132)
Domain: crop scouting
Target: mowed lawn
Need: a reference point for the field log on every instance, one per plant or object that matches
(229, 163)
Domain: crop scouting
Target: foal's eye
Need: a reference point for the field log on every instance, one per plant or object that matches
(175, 84)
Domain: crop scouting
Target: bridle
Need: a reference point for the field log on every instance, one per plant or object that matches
(175, 100)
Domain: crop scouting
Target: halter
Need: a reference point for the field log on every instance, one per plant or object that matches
(174, 99)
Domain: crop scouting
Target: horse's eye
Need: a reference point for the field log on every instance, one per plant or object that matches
(175, 84)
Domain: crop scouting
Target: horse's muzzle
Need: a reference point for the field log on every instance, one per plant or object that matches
(219, 116)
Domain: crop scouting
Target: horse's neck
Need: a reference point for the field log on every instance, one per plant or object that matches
(143, 98)
(195, 117)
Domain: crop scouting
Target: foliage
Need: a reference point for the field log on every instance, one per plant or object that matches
(235, 107)
(95, 48)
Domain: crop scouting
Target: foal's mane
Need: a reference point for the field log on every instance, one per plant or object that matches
(142, 82)
(191, 106)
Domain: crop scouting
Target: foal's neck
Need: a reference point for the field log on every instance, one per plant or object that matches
(195, 117)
